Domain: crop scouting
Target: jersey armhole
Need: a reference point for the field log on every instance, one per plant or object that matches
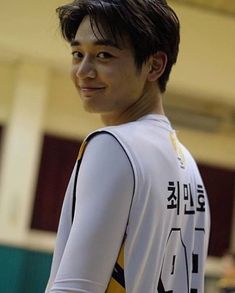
(79, 160)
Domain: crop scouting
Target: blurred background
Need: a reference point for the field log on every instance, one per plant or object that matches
(42, 125)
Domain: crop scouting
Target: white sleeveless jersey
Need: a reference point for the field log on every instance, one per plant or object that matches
(167, 231)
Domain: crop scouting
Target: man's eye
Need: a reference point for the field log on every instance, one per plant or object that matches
(104, 55)
(77, 55)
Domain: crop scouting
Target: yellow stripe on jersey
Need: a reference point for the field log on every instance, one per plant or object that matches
(117, 281)
(82, 150)
(178, 149)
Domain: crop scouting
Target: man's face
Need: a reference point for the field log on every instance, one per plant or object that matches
(104, 74)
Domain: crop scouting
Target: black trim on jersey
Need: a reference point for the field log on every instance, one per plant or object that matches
(118, 275)
(74, 187)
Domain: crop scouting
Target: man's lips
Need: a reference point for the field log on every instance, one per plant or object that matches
(89, 89)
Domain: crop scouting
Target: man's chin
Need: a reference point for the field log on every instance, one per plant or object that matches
(91, 109)
(96, 108)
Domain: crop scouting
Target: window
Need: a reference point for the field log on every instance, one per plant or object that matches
(57, 162)
(220, 186)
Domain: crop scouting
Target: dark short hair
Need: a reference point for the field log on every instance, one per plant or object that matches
(150, 25)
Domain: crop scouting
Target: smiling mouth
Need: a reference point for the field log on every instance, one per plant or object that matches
(89, 91)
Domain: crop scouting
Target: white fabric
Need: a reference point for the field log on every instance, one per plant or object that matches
(168, 228)
(85, 253)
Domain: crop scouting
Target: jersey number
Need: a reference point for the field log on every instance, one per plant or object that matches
(179, 264)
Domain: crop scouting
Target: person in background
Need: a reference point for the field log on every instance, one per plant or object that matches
(135, 216)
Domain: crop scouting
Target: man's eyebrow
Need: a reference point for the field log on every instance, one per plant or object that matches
(103, 42)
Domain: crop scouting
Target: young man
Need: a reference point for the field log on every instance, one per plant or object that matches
(135, 217)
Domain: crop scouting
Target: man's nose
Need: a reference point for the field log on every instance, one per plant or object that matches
(86, 69)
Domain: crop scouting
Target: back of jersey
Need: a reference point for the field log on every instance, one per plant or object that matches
(168, 229)
(185, 252)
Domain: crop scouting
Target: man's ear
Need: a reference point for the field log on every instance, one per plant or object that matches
(158, 63)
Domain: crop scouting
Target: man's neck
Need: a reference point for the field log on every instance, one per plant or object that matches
(147, 104)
